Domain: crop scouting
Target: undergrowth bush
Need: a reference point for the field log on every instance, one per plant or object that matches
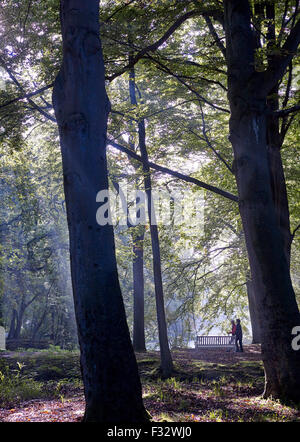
(15, 388)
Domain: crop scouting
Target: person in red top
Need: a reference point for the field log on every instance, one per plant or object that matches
(233, 330)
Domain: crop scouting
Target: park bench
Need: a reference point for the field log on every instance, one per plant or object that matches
(214, 342)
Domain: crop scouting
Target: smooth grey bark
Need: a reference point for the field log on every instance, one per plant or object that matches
(111, 383)
(274, 295)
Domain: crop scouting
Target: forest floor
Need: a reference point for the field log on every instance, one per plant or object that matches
(207, 386)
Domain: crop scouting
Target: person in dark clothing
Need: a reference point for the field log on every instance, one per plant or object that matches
(238, 336)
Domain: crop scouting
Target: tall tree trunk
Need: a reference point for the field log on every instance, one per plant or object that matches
(39, 323)
(20, 315)
(111, 383)
(275, 140)
(253, 312)
(275, 298)
(1, 291)
(19, 323)
(52, 325)
(12, 327)
(139, 343)
(266, 11)
(138, 233)
(166, 364)
(165, 354)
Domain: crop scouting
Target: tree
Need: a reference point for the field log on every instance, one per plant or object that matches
(111, 382)
(248, 92)
(137, 235)
(138, 338)
(186, 108)
(254, 72)
(166, 365)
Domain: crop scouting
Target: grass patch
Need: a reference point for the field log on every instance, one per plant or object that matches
(15, 387)
(33, 375)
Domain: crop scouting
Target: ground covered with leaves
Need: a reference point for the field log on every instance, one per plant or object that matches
(211, 385)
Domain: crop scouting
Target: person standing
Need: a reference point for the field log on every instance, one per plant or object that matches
(233, 330)
(239, 336)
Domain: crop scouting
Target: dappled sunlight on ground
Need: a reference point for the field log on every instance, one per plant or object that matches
(70, 410)
(208, 385)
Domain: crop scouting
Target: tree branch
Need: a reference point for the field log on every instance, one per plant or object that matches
(118, 10)
(165, 69)
(214, 34)
(20, 87)
(285, 112)
(152, 47)
(294, 232)
(281, 62)
(171, 172)
(26, 96)
(207, 141)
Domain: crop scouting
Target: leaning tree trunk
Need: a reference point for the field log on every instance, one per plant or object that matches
(274, 295)
(111, 383)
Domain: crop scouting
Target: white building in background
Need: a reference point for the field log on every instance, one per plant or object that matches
(2, 338)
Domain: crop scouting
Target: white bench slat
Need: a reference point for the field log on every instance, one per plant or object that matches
(214, 341)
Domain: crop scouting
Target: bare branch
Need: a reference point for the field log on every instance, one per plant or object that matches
(294, 232)
(285, 112)
(214, 34)
(26, 96)
(283, 21)
(26, 17)
(209, 144)
(20, 87)
(171, 172)
(164, 68)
